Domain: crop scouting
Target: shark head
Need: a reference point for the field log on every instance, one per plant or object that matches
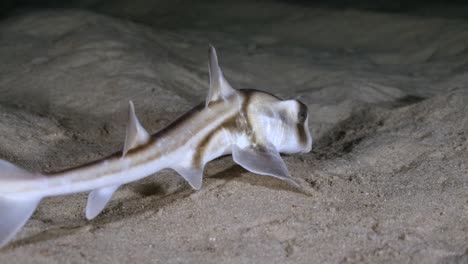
(281, 123)
(268, 125)
(272, 122)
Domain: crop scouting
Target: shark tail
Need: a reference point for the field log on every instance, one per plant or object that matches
(15, 210)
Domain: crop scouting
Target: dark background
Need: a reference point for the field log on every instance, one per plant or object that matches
(443, 8)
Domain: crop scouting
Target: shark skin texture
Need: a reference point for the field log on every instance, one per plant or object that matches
(253, 126)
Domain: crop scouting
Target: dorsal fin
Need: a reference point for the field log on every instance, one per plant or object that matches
(220, 89)
(136, 134)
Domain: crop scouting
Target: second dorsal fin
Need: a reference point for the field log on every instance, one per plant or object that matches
(136, 134)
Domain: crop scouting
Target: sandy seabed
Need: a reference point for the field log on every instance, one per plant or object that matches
(386, 182)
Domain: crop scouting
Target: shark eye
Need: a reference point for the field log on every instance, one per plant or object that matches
(302, 115)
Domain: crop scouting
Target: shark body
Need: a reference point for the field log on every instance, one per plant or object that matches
(251, 125)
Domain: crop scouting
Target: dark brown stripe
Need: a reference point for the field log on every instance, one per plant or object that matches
(301, 127)
(245, 111)
(301, 133)
(172, 127)
(233, 123)
(230, 124)
(155, 137)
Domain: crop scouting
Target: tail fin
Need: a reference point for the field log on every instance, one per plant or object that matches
(14, 210)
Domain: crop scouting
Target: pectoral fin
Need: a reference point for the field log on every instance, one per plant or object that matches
(98, 199)
(136, 134)
(261, 160)
(193, 176)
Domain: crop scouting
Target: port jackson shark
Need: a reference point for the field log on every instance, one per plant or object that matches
(252, 125)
